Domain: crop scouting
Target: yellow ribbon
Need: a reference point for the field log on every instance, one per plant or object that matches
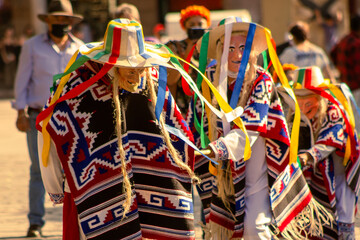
(343, 100)
(45, 133)
(283, 79)
(224, 106)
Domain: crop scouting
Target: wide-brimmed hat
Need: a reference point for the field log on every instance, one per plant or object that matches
(307, 78)
(61, 8)
(124, 46)
(259, 40)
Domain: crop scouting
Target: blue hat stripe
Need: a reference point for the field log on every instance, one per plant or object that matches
(145, 55)
(140, 40)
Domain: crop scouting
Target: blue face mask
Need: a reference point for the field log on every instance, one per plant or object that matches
(59, 30)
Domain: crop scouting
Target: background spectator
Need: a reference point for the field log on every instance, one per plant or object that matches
(9, 51)
(194, 20)
(304, 53)
(41, 57)
(129, 11)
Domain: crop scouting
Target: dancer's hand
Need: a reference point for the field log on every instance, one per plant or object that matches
(305, 159)
(208, 152)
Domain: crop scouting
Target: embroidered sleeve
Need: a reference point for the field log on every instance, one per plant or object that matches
(320, 151)
(57, 198)
(220, 149)
(52, 174)
(232, 146)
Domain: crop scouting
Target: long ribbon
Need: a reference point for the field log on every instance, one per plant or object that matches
(161, 91)
(184, 84)
(222, 103)
(244, 61)
(280, 72)
(223, 76)
(46, 114)
(179, 134)
(349, 94)
(350, 149)
(199, 126)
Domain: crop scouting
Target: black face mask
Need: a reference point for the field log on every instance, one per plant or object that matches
(59, 30)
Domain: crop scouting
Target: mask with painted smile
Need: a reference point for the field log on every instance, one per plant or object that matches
(236, 49)
(309, 105)
(130, 78)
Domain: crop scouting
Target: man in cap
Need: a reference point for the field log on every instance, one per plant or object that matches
(41, 57)
(106, 140)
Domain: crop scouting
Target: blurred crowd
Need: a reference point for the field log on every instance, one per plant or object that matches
(10, 46)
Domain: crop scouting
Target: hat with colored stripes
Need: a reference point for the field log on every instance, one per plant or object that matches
(259, 39)
(307, 78)
(124, 46)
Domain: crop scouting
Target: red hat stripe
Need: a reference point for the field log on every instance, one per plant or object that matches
(307, 78)
(116, 41)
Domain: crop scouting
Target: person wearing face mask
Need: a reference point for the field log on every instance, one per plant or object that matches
(328, 149)
(41, 57)
(235, 193)
(105, 137)
(195, 20)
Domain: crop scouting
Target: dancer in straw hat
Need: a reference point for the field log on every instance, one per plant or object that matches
(106, 129)
(253, 155)
(329, 150)
(236, 195)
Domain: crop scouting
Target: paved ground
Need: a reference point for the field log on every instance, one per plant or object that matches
(14, 172)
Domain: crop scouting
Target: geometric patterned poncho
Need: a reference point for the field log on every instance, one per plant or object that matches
(321, 178)
(263, 113)
(83, 131)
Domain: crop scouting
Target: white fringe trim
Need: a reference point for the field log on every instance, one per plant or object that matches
(214, 231)
(308, 222)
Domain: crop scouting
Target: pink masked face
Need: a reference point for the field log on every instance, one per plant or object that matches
(236, 49)
(309, 105)
(130, 78)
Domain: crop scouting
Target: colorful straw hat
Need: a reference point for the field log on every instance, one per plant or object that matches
(307, 78)
(61, 8)
(124, 46)
(259, 41)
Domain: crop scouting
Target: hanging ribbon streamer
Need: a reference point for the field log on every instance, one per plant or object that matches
(45, 115)
(350, 149)
(223, 76)
(222, 103)
(179, 134)
(349, 94)
(244, 61)
(281, 74)
(75, 92)
(184, 84)
(265, 59)
(161, 92)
